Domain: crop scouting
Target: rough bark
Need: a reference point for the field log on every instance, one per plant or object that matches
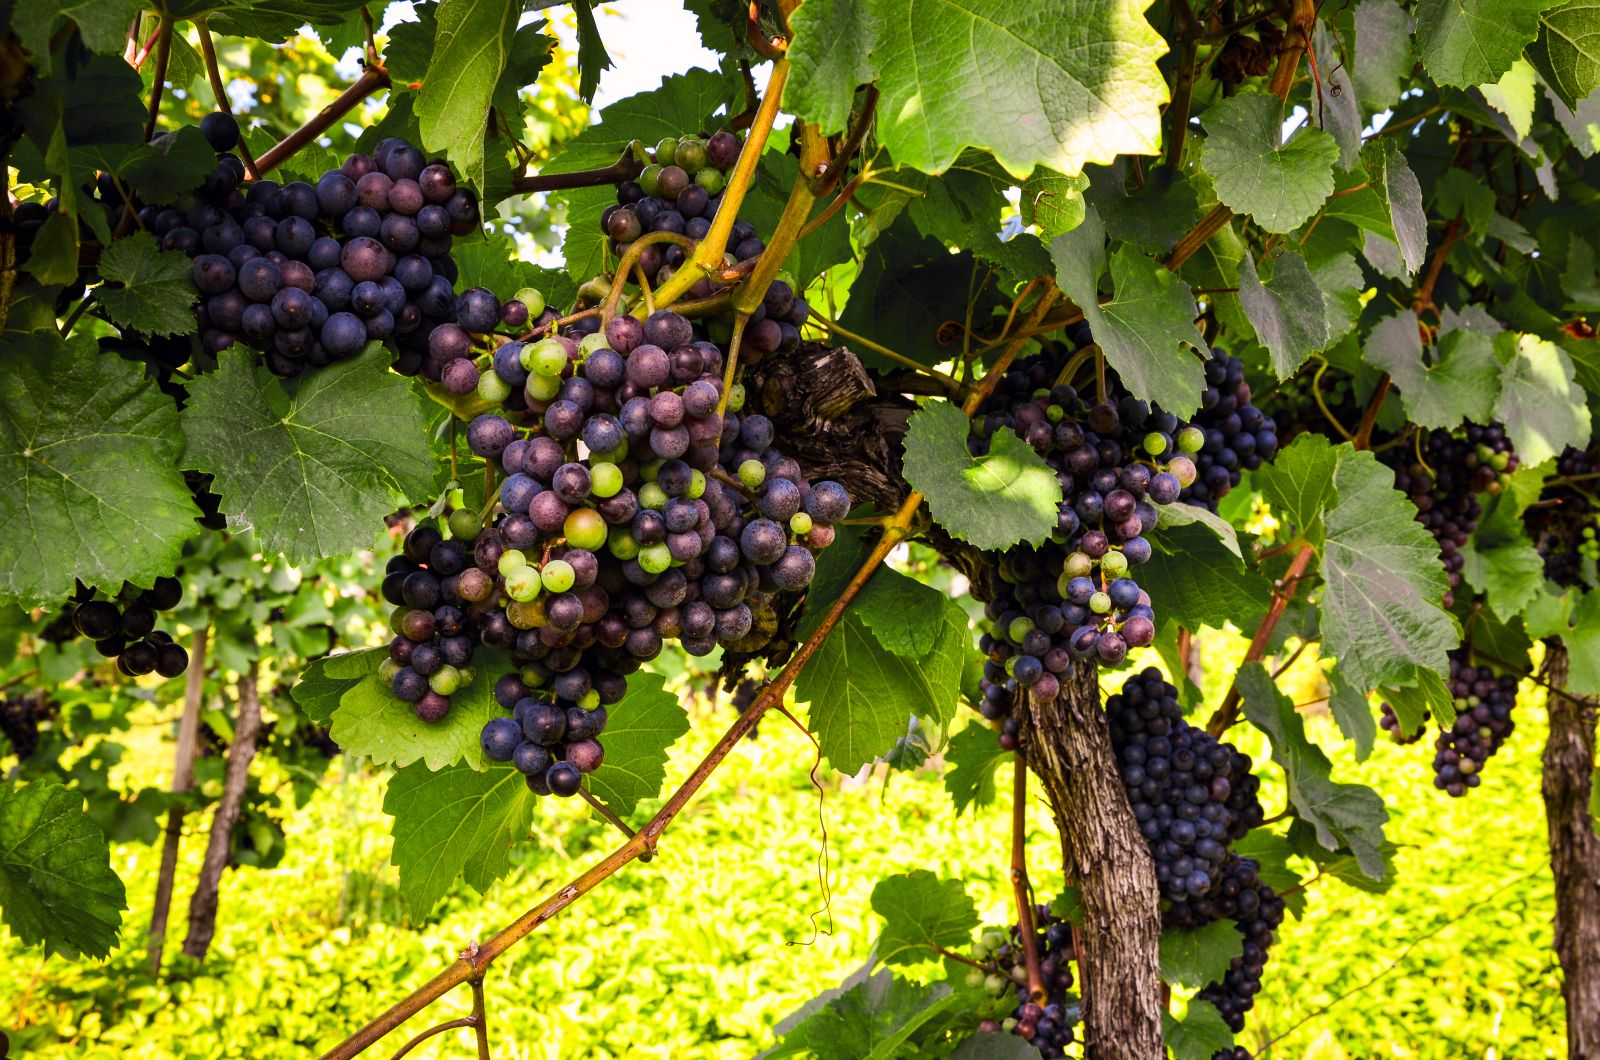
(182, 781)
(1574, 855)
(208, 888)
(840, 422)
(1067, 744)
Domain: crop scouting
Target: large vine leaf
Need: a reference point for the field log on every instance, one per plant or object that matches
(921, 912)
(1383, 36)
(1398, 192)
(1460, 384)
(1194, 957)
(1567, 53)
(872, 1017)
(471, 48)
(372, 723)
(1287, 310)
(993, 501)
(1541, 404)
(88, 469)
(312, 466)
(324, 683)
(1192, 577)
(974, 755)
(57, 887)
(1279, 184)
(1474, 42)
(1345, 816)
(1200, 1035)
(862, 697)
(454, 822)
(147, 289)
(640, 730)
(1084, 72)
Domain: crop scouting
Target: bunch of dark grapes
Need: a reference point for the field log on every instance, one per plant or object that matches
(20, 717)
(1191, 794)
(124, 628)
(632, 511)
(1049, 1027)
(1562, 523)
(1256, 911)
(1391, 725)
(1484, 701)
(1296, 408)
(1238, 436)
(1444, 484)
(310, 274)
(680, 192)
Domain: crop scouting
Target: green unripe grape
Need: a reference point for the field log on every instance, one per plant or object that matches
(525, 614)
(1055, 413)
(531, 677)
(1191, 440)
(653, 496)
(591, 342)
(995, 985)
(533, 298)
(523, 584)
(712, 180)
(1100, 603)
(549, 357)
(650, 179)
(1020, 627)
(387, 669)
(512, 559)
(1183, 470)
(1061, 584)
(752, 473)
(492, 388)
(589, 700)
(1114, 564)
(397, 619)
(622, 544)
(690, 155)
(469, 674)
(464, 525)
(585, 529)
(558, 576)
(975, 978)
(1500, 461)
(1078, 565)
(800, 523)
(1155, 443)
(543, 387)
(667, 152)
(605, 480)
(697, 485)
(446, 680)
(736, 397)
(656, 558)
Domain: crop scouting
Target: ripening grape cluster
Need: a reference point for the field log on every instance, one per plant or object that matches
(1076, 597)
(1048, 1027)
(1484, 701)
(1445, 481)
(124, 628)
(1562, 525)
(630, 511)
(20, 716)
(309, 274)
(1191, 794)
(1256, 910)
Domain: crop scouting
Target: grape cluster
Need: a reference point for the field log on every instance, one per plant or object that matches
(1257, 912)
(631, 511)
(125, 628)
(1238, 436)
(20, 717)
(1048, 1027)
(1562, 525)
(1484, 702)
(1444, 481)
(1391, 725)
(309, 274)
(1191, 794)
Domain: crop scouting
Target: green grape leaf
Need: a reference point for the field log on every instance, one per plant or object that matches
(640, 730)
(1181, 514)
(1087, 101)
(1334, 106)
(471, 48)
(1200, 1035)
(1582, 641)
(1353, 714)
(1582, 126)
(1156, 215)
(872, 1017)
(159, 171)
(1514, 95)
(995, 1045)
(273, 21)
(53, 258)
(147, 288)
(314, 465)
(593, 59)
(1255, 172)
(1383, 39)
(974, 756)
(103, 23)
(1145, 327)
(993, 501)
(862, 696)
(57, 887)
(1400, 195)
(1500, 562)
(1474, 42)
(1567, 52)
(1192, 577)
(1542, 406)
(1345, 816)
(684, 103)
(1196, 956)
(1287, 311)
(1459, 384)
(453, 822)
(920, 912)
(325, 681)
(372, 723)
(492, 262)
(1298, 485)
(908, 617)
(1053, 202)
(1340, 278)
(92, 446)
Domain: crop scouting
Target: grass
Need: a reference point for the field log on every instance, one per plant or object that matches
(702, 951)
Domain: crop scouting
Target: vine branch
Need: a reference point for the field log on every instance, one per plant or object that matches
(372, 79)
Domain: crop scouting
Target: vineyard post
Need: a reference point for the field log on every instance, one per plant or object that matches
(182, 781)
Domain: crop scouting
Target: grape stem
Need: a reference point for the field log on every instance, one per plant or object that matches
(950, 383)
(740, 320)
(158, 76)
(1282, 593)
(959, 959)
(630, 261)
(448, 1025)
(625, 168)
(208, 51)
(1021, 891)
(374, 78)
(612, 819)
